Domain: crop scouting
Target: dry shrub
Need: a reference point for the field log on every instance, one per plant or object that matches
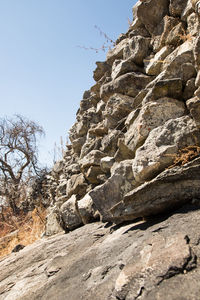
(23, 229)
(185, 155)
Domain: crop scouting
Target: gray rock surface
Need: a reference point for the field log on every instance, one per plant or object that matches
(169, 189)
(156, 259)
(134, 153)
(161, 146)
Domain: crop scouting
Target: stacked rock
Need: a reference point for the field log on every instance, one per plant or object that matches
(131, 125)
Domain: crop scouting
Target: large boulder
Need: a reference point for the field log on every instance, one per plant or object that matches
(54, 223)
(121, 67)
(92, 159)
(177, 7)
(193, 105)
(160, 88)
(152, 115)
(154, 261)
(112, 191)
(162, 145)
(129, 84)
(76, 185)
(116, 52)
(173, 63)
(101, 69)
(172, 188)
(137, 49)
(154, 65)
(70, 215)
(87, 210)
(150, 13)
(117, 107)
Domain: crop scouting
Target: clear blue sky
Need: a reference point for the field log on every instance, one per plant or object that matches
(43, 73)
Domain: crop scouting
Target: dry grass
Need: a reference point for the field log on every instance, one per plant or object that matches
(23, 229)
(185, 155)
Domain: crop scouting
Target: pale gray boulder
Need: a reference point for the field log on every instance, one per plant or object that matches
(152, 115)
(137, 49)
(161, 146)
(129, 84)
(69, 214)
(113, 190)
(172, 188)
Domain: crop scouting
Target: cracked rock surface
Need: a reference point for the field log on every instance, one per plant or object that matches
(134, 153)
(154, 259)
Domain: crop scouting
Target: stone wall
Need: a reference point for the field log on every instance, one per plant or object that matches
(132, 124)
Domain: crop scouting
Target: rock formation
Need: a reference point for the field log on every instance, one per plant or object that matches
(132, 124)
(134, 154)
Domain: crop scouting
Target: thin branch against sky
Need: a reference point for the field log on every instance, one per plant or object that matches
(43, 73)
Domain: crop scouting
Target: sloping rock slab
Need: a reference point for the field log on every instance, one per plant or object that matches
(159, 259)
(112, 191)
(86, 264)
(171, 188)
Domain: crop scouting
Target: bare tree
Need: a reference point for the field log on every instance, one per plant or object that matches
(18, 156)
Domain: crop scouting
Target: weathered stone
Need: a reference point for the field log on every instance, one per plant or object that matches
(53, 223)
(76, 185)
(197, 80)
(86, 209)
(189, 89)
(177, 7)
(106, 163)
(117, 107)
(129, 84)
(121, 37)
(77, 144)
(187, 11)
(195, 5)
(169, 24)
(171, 88)
(139, 31)
(86, 94)
(140, 202)
(197, 92)
(58, 167)
(161, 145)
(197, 51)
(72, 169)
(60, 199)
(102, 68)
(123, 152)
(137, 49)
(158, 259)
(188, 70)
(193, 105)
(109, 142)
(153, 66)
(98, 130)
(92, 173)
(176, 35)
(193, 26)
(116, 52)
(91, 159)
(69, 213)
(174, 61)
(95, 89)
(61, 188)
(112, 191)
(152, 115)
(126, 115)
(121, 67)
(92, 143)
(150, 13)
